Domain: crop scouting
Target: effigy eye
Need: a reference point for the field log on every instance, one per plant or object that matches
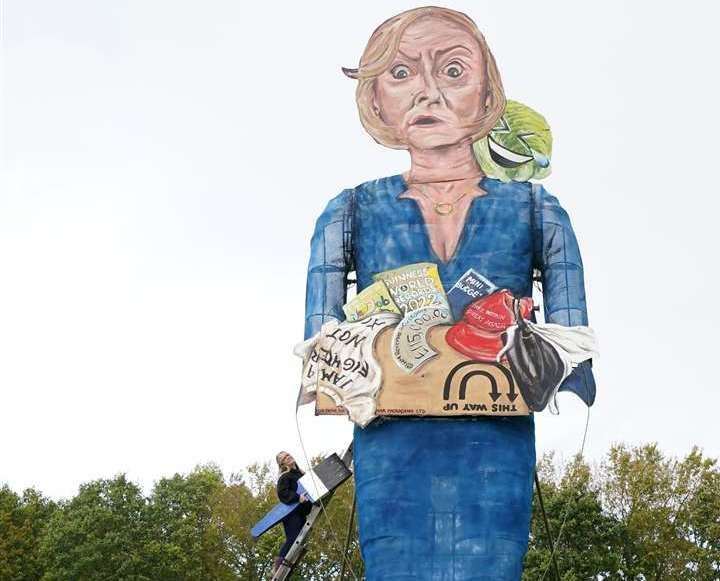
(454, 70)
(400, 72)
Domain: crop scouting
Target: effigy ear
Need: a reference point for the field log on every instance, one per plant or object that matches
(351, 73)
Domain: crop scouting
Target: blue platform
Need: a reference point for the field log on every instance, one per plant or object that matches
(445, 500)
(275, 515)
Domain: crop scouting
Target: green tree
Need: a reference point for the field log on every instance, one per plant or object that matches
(669, 509)
(98, 535)
(185, 543)
(22, 524)
(236, 509)
(586, 537)
(701, 524)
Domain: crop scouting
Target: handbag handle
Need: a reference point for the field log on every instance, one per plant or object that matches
(519, 319)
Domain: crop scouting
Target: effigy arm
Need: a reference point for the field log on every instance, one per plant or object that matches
(331, 259)
(558, 259)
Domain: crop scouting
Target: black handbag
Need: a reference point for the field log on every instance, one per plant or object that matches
(535, 364)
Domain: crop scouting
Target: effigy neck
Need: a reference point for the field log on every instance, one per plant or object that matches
(443, 164)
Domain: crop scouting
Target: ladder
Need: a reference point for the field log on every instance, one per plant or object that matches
(296, 552)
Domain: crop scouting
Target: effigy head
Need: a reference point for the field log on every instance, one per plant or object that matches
(518, 148)
(428, 79)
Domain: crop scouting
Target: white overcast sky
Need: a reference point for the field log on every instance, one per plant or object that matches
(163, 163)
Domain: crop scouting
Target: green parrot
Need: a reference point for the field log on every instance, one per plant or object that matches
(518, 148)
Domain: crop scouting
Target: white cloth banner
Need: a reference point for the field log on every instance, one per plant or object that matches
(339, 361)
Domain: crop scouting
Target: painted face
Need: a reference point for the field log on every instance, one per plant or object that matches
(434, 91)
(518, 147)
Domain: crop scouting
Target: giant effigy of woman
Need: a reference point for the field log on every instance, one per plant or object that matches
(443, 498)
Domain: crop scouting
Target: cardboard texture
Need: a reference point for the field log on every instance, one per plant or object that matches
(448, 384)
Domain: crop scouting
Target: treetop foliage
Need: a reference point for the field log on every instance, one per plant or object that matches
(637, 515)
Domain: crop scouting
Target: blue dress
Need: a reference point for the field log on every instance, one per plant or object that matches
(447, 499)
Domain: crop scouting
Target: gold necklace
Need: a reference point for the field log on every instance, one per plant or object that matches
(441, 208)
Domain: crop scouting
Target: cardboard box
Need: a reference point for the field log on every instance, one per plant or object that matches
(449, 384)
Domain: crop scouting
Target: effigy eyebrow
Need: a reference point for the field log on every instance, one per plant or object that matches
(407, 56)
(444, 51)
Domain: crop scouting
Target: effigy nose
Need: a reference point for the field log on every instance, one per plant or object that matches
(429, 90)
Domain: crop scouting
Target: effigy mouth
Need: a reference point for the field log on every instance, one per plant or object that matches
(425, 120)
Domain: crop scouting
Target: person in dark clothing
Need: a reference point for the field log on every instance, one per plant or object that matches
(287, 492)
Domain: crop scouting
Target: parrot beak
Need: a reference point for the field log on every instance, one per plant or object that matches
(541, 160)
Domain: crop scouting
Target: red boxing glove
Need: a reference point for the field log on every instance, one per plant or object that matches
(479, 334)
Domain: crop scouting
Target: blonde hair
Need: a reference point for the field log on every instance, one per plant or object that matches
(379, 54)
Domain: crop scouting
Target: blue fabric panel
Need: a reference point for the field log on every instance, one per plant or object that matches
(433, 495)
(581, 382)
(371, 229)
(496, 241)
(444, 499)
